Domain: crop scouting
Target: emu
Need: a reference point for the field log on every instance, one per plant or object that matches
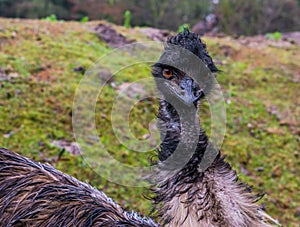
(192, 196)
(34, 194)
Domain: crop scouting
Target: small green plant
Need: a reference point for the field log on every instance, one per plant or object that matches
(127, 16)
(183, 27)
(84, 19)
(52, 18)
(274, 36)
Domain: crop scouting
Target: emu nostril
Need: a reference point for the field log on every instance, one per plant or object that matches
(186, 83)
(189, 81)
(182, 85)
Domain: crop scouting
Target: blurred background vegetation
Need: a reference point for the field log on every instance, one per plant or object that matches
(247, 17)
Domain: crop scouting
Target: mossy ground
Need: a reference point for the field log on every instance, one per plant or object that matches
(261, 86)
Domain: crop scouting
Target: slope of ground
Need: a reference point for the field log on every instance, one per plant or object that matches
(41, 64)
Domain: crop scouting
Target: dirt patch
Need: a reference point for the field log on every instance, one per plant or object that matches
(71, 147)
(132, 90)
(111, 36)
(47, 74)
(292, 37)
(227, 51)
(156, 34)
(5, 75)
(286, 118)
(259, 41)
(255, 56)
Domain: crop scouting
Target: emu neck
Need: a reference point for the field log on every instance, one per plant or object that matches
(191, 197)
(172, 133)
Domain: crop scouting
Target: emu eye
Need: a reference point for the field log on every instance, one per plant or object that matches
(167, 73)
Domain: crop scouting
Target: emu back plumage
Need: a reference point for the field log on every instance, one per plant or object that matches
(35, 194)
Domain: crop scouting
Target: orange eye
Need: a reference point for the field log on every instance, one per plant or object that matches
(167, 73)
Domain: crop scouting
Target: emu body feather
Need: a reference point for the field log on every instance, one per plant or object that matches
(34, 194)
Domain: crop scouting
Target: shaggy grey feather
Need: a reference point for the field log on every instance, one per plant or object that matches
(35, 194)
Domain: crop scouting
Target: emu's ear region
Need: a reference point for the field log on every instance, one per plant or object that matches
(156, 70)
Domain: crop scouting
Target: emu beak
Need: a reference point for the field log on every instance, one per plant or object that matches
(188, 91)
(192, 92)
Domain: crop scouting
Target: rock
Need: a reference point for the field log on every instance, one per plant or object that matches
(71, 147)
(156, 34)
(111, 36)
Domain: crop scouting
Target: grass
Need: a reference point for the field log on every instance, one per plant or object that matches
(259, 85)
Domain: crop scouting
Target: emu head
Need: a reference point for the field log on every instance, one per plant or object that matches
(183, 76)
(183, 56)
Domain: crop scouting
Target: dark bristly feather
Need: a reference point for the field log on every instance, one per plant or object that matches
(192, 197)
(193, 43)
(34, 194)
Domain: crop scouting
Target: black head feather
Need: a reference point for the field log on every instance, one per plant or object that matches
(193, 43)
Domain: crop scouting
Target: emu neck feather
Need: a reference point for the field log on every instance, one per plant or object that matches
(217, 199)
(195, 198)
